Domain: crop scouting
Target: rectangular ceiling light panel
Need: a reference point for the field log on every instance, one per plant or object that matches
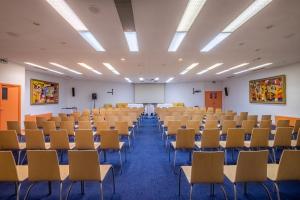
(253, 68)
(232, 68)
(189, 68)
(65, 68)
(132, 42)
(210, 68)
(111, 68)
(41, 67)
(89, 68)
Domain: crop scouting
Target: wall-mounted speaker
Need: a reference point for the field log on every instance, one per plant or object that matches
(226, 91)
(73, 92)
(94, 96)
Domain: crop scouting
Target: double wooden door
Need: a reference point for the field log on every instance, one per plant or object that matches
(213, 99)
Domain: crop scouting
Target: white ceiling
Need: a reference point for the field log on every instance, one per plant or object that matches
(270, 36)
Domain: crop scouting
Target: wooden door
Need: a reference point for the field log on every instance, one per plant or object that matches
(213, 99)
(10, 104)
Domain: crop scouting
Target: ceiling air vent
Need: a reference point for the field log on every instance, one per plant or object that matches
(3, 60)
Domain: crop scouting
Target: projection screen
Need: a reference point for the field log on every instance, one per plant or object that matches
(149, 93)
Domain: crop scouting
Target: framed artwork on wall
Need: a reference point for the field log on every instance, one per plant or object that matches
(271, 90)
(43, 92)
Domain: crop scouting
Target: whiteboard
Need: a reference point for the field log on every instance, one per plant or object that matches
(149, 93)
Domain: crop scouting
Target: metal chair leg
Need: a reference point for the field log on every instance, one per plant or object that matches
(82, 187)
(113, 178)
(60, 190)
(25, 155)
(245, 188)
(266, 189)
(225, 155)
(174, 161)
(224, 192)
(69, 190)
(19, 157)
(49, 188)
(277, 190)
(234, 191)
(180, 172)
(274, 155)
(28, 190)
(120, 156)
(191, 191)
(101, 191)
(18, 187)
(212, 190)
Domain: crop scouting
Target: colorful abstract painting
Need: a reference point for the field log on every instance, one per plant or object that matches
(44, 92)
(270, 90)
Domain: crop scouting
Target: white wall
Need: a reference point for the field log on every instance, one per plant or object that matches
(14, 74)
(238, 98)
(182, 92)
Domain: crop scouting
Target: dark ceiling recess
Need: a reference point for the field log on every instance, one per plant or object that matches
(124, 8)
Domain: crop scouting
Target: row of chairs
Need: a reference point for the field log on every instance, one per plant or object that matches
(43, 166)
(252, 166)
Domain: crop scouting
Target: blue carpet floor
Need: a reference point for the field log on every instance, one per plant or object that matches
(147, 175)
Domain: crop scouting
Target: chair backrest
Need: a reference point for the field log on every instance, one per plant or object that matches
(43, 165)
(84, 118)
(40, 121)
(14, 125)
(265, 124)
(184, 119)
(61, 115)
(297, 126)
(253, 118)
(283, 136)
(69, 126)
(228, 124)
(8, 170)
(197, 117)
(193, 124)
(288, 169)
(185, 139)
(102, 125)
(260, 137)
(266, 117)
(122, 127)
(207, 167)
(167, 119)
(84, 125)
(252, 166)
(59, 139)
(210, 138)
(90, 171)
(173, 126)
(9, 140)
(84, 139)
(235, 137)
(48, 126)
(30, 125)
(244, 115)
(34, 139)
(109, 139)
(283, 123)
(298, 139)
(211, 124)
(211, 117)
(57, 121)
(248, 125)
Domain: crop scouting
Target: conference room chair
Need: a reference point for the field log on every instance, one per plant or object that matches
(197, 117)
(43, 166)
(98, 118)
(10, 172)
(266, 117)
(183, 120)
(112, 119)
(69, 127)
(110, 141)
(57, 121)
(195, 125)
(15, 125)
(185, 140)
(210, 110)
(218, 110)
(30, 125)
(92, 170)
(173, 127)
(83, 118)
(9, 142)
(286, 170)
(95, 111)
(253, 118)
(209, 139)
(86, 112)
(69, 118)
(281, 140)
(265, 124)
(62, 115)
(211, 124)
(296, 128)
(226, 118)
(48, 126)
(35, 140)
(227, 124)
(84, 140)
(296, 143)
(84, 125)
(59, 141)
(207, 168)
(248, 125)
(283, 123)
(234, 141)
(251, 167)
(259, 139)
(122, 128)
(40, 121)
(210, 117)
(165, 122)
(128, 119)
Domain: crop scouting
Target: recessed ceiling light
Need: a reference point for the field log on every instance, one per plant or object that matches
(169, 79)
(156, 79)
(214, 42)
(69, 15)
(123, 59)
(189, 68)
(253, 9)
(180, 59)
(41, 67)
(210, 68)
(111, 68)
(191, 12)
(132, 42)
(253, 68)
(232, 68)
(63, 67)
(141, 79)
(89, 68)
(128, 80)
